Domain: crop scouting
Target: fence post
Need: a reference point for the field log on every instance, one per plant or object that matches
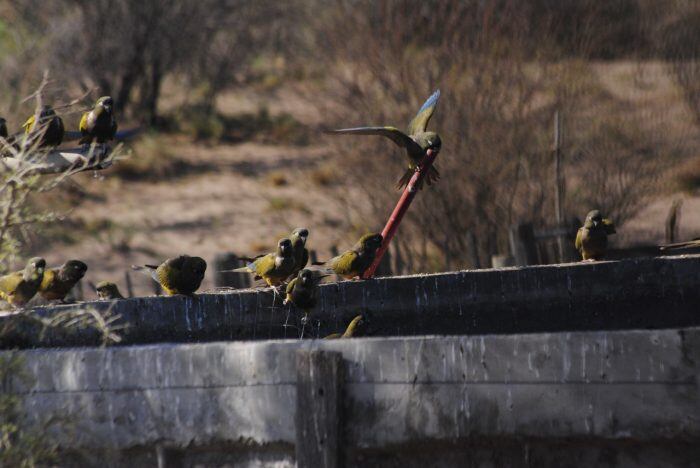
(319, 415)
(522, 244)
(229, 261)
(560, 187)
(129, 286)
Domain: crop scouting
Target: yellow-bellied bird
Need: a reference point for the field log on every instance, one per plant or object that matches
(99, 124)
(19, 287)
(107, 290)
(416, 141)
(58, 282)
(50, 130)
(274, 267)
(355, 261)
(179, 275)
(592, 237)
(302, 291)
(349, 332)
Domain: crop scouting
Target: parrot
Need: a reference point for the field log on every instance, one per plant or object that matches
(19, 287)
(301, 253)
(417, 140)
(57, 282)
(99, 124)
(349, 332)
(302, 291)
(50, 131)
(178, 275)
(274, 267)
(354, 262)
(108, 290)
(592, 237)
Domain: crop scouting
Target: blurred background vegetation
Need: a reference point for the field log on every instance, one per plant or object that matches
(235, 91)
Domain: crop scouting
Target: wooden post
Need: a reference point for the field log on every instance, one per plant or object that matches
(228, 279)
(472, 250)
(560, 187)
(129, 286)
(319, 416)
(522, 244)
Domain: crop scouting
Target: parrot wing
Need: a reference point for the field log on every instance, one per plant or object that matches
(47, 281)
(290, 286)
(344, 263)
(84, 123)
(579, 239)
(264, 266)
(609, 226)
(28, 125)
(393, 133)
(420, 121)
(9, 283)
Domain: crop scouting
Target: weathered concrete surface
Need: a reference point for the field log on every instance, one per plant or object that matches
(662, 292)
(623, 398)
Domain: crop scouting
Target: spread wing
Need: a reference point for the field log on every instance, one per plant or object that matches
(420, 121)
(344, 264)
(394, 134)
(579, 239)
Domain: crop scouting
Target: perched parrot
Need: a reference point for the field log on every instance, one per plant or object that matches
(274, 267)
(50, 130)
(108, 290)
(19, 287)
(99, 124)
(349, 332)
(301, 253)
(178, 275)
(354, 262)
(417, 141)
(592, 237)
(58, 282)
(302, 291)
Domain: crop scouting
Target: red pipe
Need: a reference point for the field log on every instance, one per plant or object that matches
(392, 225)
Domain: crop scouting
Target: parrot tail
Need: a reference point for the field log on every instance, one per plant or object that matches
(245, 269)
(432, 176)
(149, 270)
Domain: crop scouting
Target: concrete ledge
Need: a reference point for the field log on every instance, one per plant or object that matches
(644, 293)
(594, 389)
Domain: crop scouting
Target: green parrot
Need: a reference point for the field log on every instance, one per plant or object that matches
(349, 332)
(99, 124)
(355, 261)
(592, 237)
(3, 128)
(50, 132)
(274, 267)
(19, 287)
(417, 141)
(302, 291)
(107, 290)
(57, 282)
(301, 253)
(178, 275)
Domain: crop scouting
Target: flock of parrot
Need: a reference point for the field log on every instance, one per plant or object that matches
(287, 264)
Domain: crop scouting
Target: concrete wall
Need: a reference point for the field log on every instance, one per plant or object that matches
(639, 293)
(606, 398)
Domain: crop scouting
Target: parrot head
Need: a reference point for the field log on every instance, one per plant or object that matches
(107, 290)
(429, 141)
(594, 218)
(299, 234)
(370, 242)
(72, 270)
(284, 247)
(105, 103)
(34, 271)
(306, 277)
(196, 265)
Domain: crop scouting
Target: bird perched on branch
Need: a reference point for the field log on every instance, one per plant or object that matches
(302, 291)
(58, 282)
(99, 124)
(107, 290)
(274, 267)
(179, 275)
(416, 141)
(48, 133)
(19, 287)
(355, 261)
(349, 332)
(592, 237)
